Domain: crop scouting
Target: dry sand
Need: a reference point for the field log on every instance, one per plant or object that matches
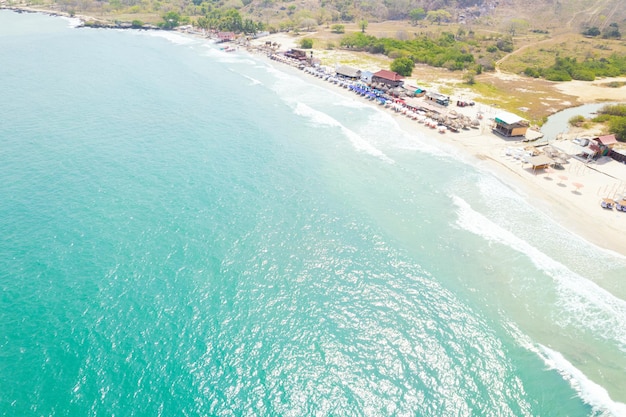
(571, 196)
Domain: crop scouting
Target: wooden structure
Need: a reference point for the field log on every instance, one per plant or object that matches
(299, 54)
(540, 162)
(607, 140)
(437, 98)
(510, 125)
(347, 72)
(415, 90)
(618, 156)
(389, 78)
(225, 37)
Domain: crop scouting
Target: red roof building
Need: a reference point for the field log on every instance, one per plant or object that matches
(388, 78)
(225, 36)
(607, 140)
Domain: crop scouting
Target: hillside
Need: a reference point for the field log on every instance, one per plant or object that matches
(488, 48)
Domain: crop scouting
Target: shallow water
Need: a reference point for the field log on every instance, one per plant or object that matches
(193, 232)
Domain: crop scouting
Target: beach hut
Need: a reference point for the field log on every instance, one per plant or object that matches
(225, 37)
(437, 98)
(510, 125)
(295, 53)
(540, 162)
(389, 78)
(344, 71)
(606, 140)
(415, 90)
(366, 76)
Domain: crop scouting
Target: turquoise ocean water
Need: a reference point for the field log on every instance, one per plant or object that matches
(187, 232)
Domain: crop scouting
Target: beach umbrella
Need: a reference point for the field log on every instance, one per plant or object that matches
(548, 171)
(562, 178)
(578, 187)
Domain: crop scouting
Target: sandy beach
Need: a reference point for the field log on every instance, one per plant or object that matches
(570, 195)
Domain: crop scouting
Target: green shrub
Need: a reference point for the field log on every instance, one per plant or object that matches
(582, 74)
(532, 72)
(617, 126)
(601, 118)
(338, 28)
(557, 75)
(306, 43)
(576, 120)
(614, 110)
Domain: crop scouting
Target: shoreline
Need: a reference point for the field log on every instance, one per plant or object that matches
(576, 208)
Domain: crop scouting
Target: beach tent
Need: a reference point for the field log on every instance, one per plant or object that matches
(540, 162)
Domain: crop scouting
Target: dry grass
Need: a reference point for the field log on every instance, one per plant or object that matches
(531, 98)
(542, 54)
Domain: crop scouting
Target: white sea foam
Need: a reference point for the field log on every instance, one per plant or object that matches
(508, 205)
(380, 125)
(73, 22)
(324, 119)
(587, 305)
(588, 391)
(175, 38)
(253, 81)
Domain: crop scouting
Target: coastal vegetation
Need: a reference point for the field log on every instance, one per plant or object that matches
(458, 35)
(457, 43)
(444, 51)
(567, 69)
(615, 118)
(612, 117)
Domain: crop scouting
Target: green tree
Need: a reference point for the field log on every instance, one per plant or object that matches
(137, 24)
(170, 20)
(516, 26)
(338, 28)
(403, 66)
(308, 23)
(363, 25)
(231, 21)
(611, 31)
(438, 16)
(592, 31)
(470, 77)
(306, 43)
(416, 15)
(505, 44)
(249, 27)
(203, 22)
